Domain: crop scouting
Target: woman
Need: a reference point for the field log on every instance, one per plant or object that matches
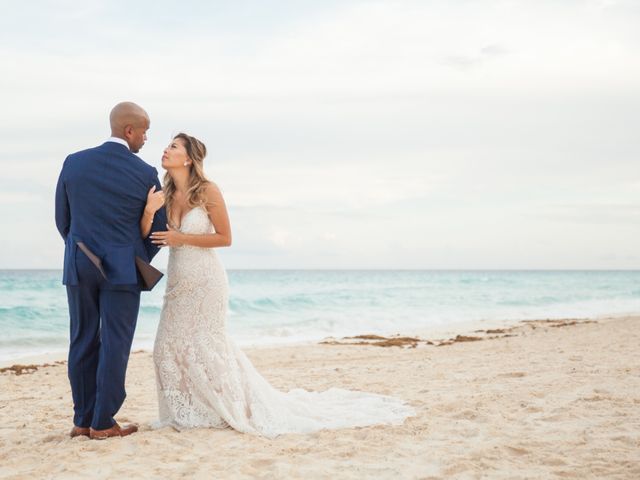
(203, 379)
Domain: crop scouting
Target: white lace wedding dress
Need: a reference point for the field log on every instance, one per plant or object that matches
(204, 380)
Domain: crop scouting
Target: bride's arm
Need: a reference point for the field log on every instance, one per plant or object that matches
(219, 217)
(155, 201)
(217, 210)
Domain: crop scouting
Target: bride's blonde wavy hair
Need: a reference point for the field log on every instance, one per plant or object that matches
(197, 183)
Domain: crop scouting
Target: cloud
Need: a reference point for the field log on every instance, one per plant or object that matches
(493, 50)
(18, 199)
(484, 54)
(333, 187)
(593, 213)
(460, 61)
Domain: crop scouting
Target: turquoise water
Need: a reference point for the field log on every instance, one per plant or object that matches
(270, 306)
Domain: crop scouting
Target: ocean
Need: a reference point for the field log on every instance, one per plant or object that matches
(270, 307)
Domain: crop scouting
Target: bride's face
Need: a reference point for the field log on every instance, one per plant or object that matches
(175, 155)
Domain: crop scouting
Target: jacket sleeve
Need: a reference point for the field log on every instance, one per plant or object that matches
(63, 214)
(159, 220)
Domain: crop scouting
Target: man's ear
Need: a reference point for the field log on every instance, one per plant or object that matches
(128, 131)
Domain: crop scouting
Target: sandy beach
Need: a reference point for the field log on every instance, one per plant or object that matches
(540, 399)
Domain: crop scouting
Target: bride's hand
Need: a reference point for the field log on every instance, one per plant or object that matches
(169, 238)
(155, 200)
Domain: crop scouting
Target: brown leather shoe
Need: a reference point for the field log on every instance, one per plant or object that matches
(115, 431)
(77, 431)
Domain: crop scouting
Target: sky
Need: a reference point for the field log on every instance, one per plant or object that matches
(426, 134)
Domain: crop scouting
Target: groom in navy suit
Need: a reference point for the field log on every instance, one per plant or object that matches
(100, 201)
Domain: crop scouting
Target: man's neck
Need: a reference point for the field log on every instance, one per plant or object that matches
(119, 140)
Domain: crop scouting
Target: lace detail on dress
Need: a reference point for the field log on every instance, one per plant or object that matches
(204, 380)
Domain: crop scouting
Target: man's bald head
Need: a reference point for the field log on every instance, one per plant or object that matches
(129, 122)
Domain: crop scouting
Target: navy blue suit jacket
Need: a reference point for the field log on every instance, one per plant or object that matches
(100, 198)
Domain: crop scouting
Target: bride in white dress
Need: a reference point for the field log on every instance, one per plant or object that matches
(203, 379)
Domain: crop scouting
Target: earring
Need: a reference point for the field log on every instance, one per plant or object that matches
(186, 163)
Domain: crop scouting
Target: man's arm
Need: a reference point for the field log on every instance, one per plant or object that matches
(63, 215)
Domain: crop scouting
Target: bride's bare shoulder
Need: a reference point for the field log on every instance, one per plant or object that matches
(213, 193)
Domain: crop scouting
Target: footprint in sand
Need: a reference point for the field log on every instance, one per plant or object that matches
(513, 375)
(466, 415)
(554, 462)
(262, 462)
(517, 450)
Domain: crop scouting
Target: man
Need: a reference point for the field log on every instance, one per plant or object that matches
(100, 199)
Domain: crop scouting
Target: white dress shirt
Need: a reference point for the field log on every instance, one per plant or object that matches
(118, 140)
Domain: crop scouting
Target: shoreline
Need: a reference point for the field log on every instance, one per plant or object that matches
(464, 329)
